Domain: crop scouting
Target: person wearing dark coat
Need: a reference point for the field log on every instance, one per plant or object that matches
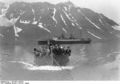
(36, 52)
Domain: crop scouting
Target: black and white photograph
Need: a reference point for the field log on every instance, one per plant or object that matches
(59, 40)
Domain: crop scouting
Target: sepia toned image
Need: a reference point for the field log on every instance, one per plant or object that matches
(65, 40)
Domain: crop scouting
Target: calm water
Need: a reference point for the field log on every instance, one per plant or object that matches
(96, 61)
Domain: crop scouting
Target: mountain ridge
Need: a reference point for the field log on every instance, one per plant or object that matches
(42, 20)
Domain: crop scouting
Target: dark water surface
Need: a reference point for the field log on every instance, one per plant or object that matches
(96, 61)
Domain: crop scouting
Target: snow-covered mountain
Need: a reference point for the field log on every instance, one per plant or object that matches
(29, 22)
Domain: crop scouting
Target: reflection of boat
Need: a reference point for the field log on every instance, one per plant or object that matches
(53, 49)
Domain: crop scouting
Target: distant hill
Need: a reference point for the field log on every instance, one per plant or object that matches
(43, 20)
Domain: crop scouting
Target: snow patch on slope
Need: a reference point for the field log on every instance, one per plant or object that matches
(70, 17)
(101, 21)
(63, 19)
(34, 22)
(94, 35)
(7, 23)
(116, 27)
(53, 17)
(64, 30)
(4, 21)
(89, 20)
(24, 21)
(4, 10)
(41, 26)
(17, 30)
(73, 20)
(65, 8)
(92, 23)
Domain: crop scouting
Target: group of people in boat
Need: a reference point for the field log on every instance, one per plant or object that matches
(57, 50)
(61, 51)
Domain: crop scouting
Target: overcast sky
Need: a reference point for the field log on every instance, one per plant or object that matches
(111, 8)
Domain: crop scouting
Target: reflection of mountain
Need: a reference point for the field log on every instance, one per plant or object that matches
(45, 20)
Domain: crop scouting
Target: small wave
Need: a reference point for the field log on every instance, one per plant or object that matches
(33, 67)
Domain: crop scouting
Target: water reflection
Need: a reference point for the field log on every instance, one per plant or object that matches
(97, 61)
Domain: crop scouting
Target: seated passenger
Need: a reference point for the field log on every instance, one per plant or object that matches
(68, 51)
(44, 51)
(36, 52)
(54, 51)
(57, 50)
